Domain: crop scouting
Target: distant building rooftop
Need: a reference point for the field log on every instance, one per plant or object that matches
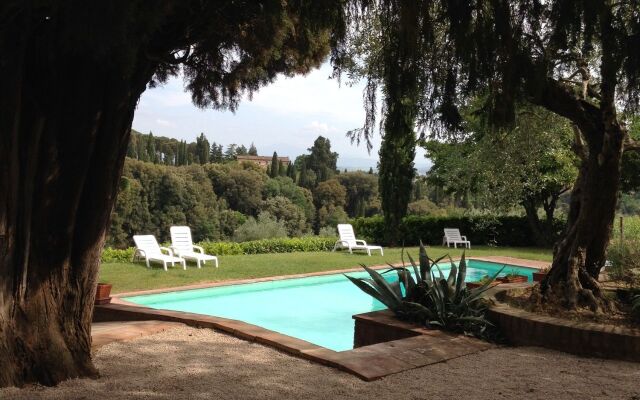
(262, 160)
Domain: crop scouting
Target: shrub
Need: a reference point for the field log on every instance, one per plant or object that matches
(631, 227)
(265, 227)
(327, 231)
(625, 261)
(480, 230)
(278, 245)
(284, 245)
(425, 207)
(117, 255)
(221, 248)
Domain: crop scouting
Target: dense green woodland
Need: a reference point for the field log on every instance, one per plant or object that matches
(227, 200)
(169, 182)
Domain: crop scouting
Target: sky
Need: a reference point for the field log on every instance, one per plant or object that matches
(285, 116)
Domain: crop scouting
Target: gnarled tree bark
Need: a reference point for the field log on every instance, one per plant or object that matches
(543, 230)
(64, 131)
(71, 74)
(580, 254)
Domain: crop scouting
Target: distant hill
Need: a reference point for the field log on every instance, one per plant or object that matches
(363, 164)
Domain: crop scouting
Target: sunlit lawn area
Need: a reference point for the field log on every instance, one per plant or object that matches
(127, 277)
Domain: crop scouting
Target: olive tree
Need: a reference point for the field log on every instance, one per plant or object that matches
(578, 59)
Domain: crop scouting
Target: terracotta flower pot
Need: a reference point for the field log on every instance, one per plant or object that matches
(513, 279)
(102, 293)
(539, 276)
(475, 285)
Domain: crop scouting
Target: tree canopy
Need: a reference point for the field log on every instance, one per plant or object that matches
(530, 165)
(577, 59)
(71, 76)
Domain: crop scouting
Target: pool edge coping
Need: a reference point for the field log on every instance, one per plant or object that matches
(518, 262)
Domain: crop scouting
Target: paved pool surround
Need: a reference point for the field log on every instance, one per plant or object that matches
(368, 362)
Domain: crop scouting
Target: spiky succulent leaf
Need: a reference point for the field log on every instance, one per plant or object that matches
(462, 274)
(476, 293)
(373, 292)
(425, 267)
(453, 274)
(416, 271)
(437, 260)
(440, 274)
(383, 286)
(406, 278)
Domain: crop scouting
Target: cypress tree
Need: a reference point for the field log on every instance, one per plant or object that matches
(212, 152)
(142, 148)
(202, 149)
(303, 179)
(151, 148)
(291, 171)
(275, 165)
(397, 150)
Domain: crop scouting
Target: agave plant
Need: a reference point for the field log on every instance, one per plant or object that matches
(424, 295)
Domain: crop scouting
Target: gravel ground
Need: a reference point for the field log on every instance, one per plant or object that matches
(188, 363)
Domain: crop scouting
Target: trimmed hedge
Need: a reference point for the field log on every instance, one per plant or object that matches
(281, 245)
(117, 255)
(481, 230)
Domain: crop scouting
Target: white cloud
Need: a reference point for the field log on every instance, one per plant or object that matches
(316, 127)
(164, 122)
(313, 94)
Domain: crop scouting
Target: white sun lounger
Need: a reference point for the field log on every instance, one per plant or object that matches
(147, 247)
(183, 246)
(452, 236)
(348, 241)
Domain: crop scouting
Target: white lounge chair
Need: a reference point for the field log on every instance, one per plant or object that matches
(183, 246)
(147, 247)
(348, 241)
(452, 236)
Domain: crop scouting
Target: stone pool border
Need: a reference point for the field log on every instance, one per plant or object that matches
(368, 362)
(519, 262)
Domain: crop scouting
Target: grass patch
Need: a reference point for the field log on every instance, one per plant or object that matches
(127, 277)
(631, 228)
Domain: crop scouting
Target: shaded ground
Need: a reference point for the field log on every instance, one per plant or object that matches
(188, 363)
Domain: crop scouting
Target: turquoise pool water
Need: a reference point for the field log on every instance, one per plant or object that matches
(316, 309)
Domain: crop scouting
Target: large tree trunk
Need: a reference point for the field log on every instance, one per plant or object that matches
(64, 129)
(580, 254)
(537, 227)
(543, 231)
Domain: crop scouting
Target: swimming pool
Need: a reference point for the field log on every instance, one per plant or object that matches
(316, 309)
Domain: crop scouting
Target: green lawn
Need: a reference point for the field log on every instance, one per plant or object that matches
(127, 277)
